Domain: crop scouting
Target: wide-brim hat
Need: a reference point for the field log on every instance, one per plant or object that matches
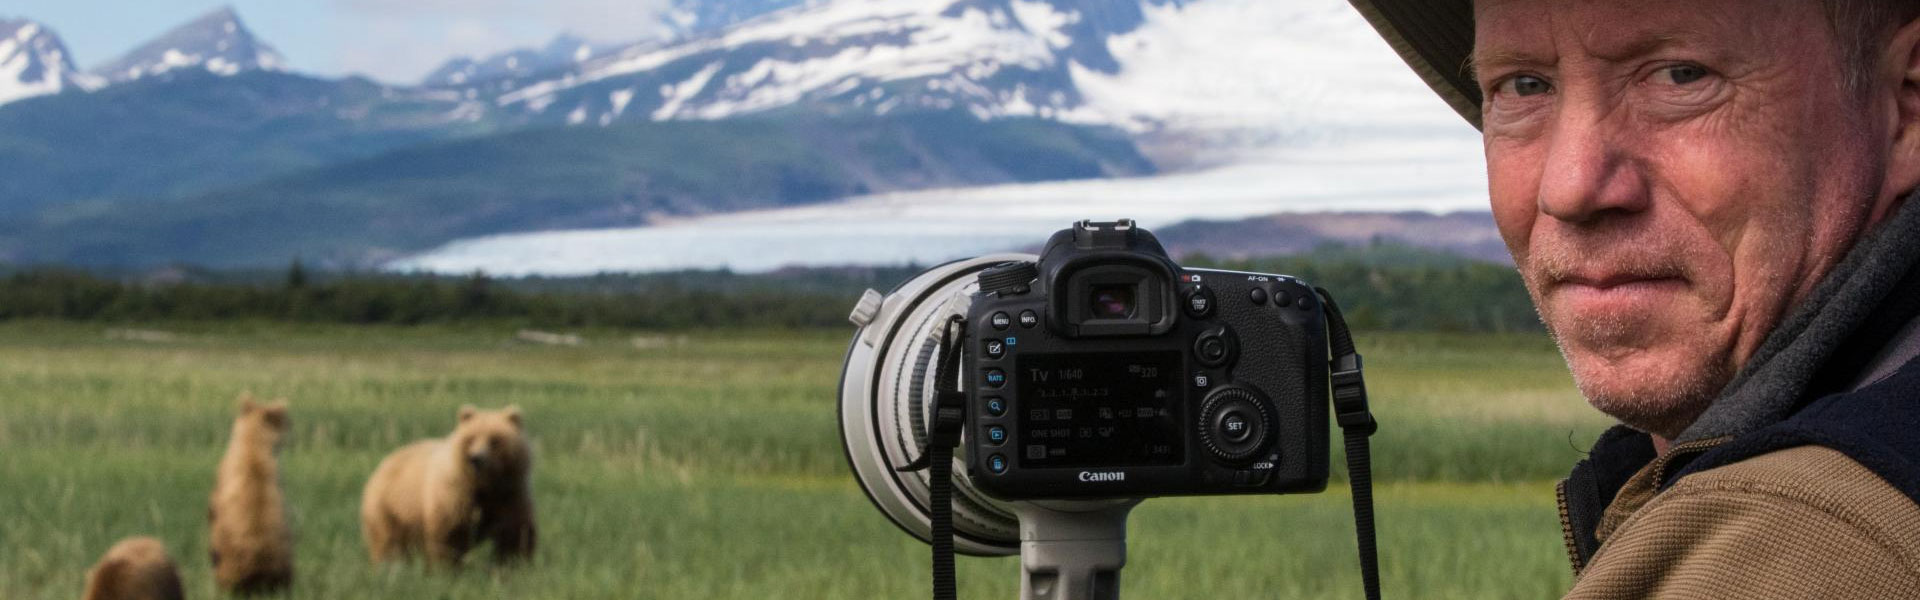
(1435, 37)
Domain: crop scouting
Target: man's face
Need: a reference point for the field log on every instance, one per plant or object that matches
(1671, 176)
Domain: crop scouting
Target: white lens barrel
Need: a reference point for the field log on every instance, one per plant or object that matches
(885, 393)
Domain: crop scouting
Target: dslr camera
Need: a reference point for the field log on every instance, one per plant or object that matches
(1022, 404)
(1104, 370)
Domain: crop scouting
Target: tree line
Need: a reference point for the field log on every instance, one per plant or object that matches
(1379, 290)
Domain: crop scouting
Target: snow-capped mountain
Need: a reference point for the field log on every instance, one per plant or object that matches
(562, 52)
(680, 20)
(992, 58)
(34, 62)
(694, 17)
(216, 42)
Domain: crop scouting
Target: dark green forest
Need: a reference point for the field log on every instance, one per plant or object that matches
(1381, 287)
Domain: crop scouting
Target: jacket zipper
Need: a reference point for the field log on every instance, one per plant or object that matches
(1566, 527)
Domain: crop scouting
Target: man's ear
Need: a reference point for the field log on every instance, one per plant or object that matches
(1902, 69)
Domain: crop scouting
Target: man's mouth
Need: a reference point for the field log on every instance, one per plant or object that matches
(1594, 294)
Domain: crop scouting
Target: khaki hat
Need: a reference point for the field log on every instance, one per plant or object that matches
(1435, 37)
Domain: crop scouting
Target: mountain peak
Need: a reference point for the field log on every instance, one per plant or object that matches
(33, 61)
(217, 42)
(563, 51)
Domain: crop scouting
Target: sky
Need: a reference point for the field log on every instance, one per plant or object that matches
(396, 41)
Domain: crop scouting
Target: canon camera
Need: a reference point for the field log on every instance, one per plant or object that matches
(1104, 370)
(1024, 404)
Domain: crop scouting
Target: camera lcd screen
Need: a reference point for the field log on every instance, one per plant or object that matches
(1102, 409)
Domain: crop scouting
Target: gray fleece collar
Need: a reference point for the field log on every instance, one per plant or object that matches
(1769, 388)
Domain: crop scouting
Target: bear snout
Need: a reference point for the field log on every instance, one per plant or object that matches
(478, 461)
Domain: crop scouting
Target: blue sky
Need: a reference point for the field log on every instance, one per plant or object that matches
(392, 40)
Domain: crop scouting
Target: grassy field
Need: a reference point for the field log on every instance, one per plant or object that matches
(708, 465)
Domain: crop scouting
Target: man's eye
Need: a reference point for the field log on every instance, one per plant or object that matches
(1527, 85)
(1684, 74)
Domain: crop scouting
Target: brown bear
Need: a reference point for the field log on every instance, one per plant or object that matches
(137, 568)
(444, 496)
(252, 547)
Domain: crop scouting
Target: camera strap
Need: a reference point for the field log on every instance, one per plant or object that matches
(1356, 425)
(943, 434)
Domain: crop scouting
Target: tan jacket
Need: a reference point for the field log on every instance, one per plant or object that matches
(1806, 522)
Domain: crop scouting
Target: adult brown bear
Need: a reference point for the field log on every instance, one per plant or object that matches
(252, 547)
(445, 496)
(137, 568)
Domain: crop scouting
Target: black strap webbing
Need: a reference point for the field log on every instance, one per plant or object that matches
(943, 434)
(1356, 424)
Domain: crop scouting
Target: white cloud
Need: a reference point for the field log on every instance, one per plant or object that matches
(401, 40)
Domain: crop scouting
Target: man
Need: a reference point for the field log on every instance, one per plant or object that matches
(1707, 201)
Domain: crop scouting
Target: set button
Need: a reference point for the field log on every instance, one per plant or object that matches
(1235, 427)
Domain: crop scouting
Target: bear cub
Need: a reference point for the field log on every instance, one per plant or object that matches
(137, 568)
(252, 549)
(444, 496)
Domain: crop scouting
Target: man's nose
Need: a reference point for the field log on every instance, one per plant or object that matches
(1590, 171)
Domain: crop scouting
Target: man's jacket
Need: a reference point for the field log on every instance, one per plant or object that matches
(1802, 480)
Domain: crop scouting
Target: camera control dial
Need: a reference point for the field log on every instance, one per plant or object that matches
(1236, 425)
(1009, 278)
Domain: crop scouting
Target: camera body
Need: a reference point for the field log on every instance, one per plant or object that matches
(1104, 370)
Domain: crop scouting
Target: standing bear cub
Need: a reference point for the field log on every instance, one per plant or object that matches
(252, 547)
(444, 496)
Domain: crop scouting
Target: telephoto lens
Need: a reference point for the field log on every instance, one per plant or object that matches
(886, 394)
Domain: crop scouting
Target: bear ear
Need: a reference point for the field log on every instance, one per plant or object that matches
(467, 411)
(246, 402)
(513, 414)
(276, 414)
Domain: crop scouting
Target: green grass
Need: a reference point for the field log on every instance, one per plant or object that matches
(710, 467)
